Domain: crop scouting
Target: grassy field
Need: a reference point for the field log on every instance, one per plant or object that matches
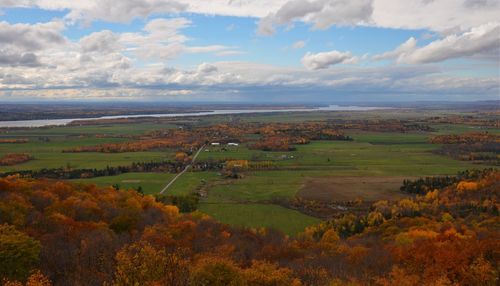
(460, 128)
(256, 187)
(259, 215)
(106, 129)
(152, 183)
(50, 155)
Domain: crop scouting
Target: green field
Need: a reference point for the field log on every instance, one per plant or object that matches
(260, 215)
(50, 154)
(152, 183)
(247, 201)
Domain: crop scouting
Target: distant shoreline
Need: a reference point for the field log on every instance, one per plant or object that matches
(65, 121)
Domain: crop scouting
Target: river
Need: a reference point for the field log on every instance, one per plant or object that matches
(59, 122)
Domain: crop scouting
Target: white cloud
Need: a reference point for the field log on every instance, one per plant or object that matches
(299, 45)
(321, 13)
(227, 53)
(245, 79)
(206, 49)
(20, 43)
(326, 59)
(440, 16)
(401, 51)
(479, 41)
(162, 39)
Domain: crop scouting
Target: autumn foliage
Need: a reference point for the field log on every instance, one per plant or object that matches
(479, 147)
(13, 141)
(74, 234)
(14, 159)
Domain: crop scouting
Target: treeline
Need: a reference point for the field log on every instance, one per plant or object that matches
(480, 119)
(479, 147)
(75, 234)
(13, 141)
(422, 186)
(186, 204)
(283, 137)
(483, 152)
(323, 209)
(384, 125)
(276, 143)
(135, 146)
(11, 159)
(467, 138)
(140, 167)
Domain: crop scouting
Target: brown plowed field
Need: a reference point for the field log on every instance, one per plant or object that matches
(352, 188)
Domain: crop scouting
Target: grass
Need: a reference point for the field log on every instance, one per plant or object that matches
(256, 187)
(288, 221)
(461, 128)
(107, 129)
(50, 155)
(362, 158)
(239, 153)
(152, 183)
(191, 181)
(84, 160)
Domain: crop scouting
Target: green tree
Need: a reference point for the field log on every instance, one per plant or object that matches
(19, 253)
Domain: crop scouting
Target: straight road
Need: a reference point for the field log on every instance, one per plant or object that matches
(183, 171)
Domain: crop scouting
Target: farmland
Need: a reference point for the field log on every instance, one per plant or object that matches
(369, 167)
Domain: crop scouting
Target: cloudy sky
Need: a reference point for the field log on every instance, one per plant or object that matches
(250, 50)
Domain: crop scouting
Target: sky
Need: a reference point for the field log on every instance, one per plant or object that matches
(250, 50)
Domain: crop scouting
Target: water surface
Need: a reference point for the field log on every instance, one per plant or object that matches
(59, 122)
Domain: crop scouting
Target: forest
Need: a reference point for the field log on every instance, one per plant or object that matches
(59, 233)
(478, 147)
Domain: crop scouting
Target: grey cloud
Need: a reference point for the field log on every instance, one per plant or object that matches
(481, 4)
(102, 42)
(207, 68)
(250, 80)
(31, 37)
(324, 60)
(19, 43)
(321, 13)
(123, 11)
(18, 59)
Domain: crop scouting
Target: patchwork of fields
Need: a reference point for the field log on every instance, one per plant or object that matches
(371, 167)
